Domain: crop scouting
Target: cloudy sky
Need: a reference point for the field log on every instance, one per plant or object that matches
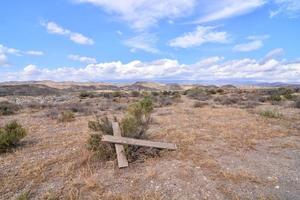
(112, 40)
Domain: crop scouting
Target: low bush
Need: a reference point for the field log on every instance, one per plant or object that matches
(227, 100)
(199, 104)
(86, 94)
(7, 108)
(10, 135)
(102, 151)
(274, 98)
(101, 125)
(297, 103)
(135, 93)
(66, 116)
(198, 93)
(270, 114)
(117, 94)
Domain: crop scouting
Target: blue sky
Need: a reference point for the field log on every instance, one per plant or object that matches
(101, 40)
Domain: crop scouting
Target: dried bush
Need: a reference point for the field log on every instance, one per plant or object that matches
(102, 151)
(227, 100)
(86, 94)
(7, 108)
(297, 103)
(10, 135)
(198, 93)
(52, 113)
(137, 118)
(101, 125)
(135, 93)
(66, 116)
(199, 104)
(270, 114)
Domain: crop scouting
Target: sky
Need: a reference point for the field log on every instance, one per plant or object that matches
(157, 40)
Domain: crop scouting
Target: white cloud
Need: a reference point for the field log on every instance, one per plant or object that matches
(217, 10)
(4, 51)
(290, 8)
(3, 59)
(35, 53)
(78, 38)
(142, 14)
(250, 46)
(202, 35)
(83, 59)
(275, 53)
(208, 69)
(255, 43)
(144, 42)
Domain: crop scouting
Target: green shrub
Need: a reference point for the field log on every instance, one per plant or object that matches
(135, 93)
(66, 116)
(101, 150)
(154, 93)
(117, 94)
(86, 94)
(7, 108)
(271, 114)
(275, 97)
(24, 196)
(220, 91)
(137, 118)
(10, 135)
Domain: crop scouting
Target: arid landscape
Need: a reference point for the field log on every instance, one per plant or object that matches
(233, 142)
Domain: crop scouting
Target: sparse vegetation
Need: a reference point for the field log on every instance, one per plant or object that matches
(275, 97)
(270, 114)
(10, 135)
(137, 118)
(66, 116)
(7, 108)
(102, 151)
(199, 104)
(24, 196)
(135, 93)
(297, 103)
(86, 94)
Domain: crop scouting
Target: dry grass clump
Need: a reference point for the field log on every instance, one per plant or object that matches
(239, 176)
(102, 151)
(24, 196)
(227, 100)
(10, 135)
(7, 108)
(297, 103)
(270, 114)
(66, 116)
(199, 104)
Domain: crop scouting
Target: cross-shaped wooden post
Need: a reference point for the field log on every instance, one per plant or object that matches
(118, 140)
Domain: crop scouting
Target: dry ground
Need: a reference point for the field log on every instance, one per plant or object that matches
(224, 153)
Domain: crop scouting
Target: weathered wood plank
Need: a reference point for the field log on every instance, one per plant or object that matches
(138, 142)
(121, 157)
